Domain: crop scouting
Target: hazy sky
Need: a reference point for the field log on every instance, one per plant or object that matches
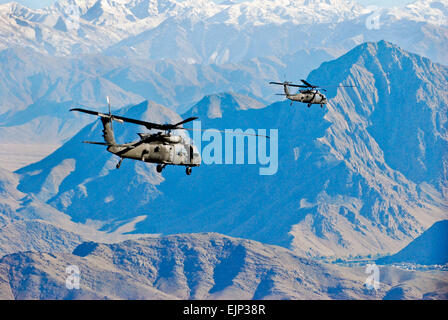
(382, 3)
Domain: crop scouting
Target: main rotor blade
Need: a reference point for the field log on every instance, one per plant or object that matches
(185, 121)
(307, 83)
(240, 133)
(289, 84)
(95, 113)
(322, 88)
(338, 86)
(148, 125)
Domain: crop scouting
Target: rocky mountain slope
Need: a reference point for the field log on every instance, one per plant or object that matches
(345, 183)
(29, 224)
(199, 266)
(430, 248)
(34, 84)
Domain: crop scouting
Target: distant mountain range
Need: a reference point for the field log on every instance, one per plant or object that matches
(345, 182)
(33, 83)
(207, 32)
(365, 175)
(37, 90)
(175, 52)
(200, 266)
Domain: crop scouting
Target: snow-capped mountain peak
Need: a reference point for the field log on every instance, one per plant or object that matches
(434, 12)
(200, 29)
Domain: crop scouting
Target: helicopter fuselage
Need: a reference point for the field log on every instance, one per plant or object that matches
(176, 152)
(160, 148)
(311, 94)
(308, 96)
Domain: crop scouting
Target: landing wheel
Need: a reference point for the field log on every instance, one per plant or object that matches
(188, 171)
(309, 105)
(159, 168)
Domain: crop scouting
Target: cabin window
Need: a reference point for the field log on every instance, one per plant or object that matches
(156, 149)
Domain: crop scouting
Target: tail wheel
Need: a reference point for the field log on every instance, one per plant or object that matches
(188, 171)
(159, 168)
